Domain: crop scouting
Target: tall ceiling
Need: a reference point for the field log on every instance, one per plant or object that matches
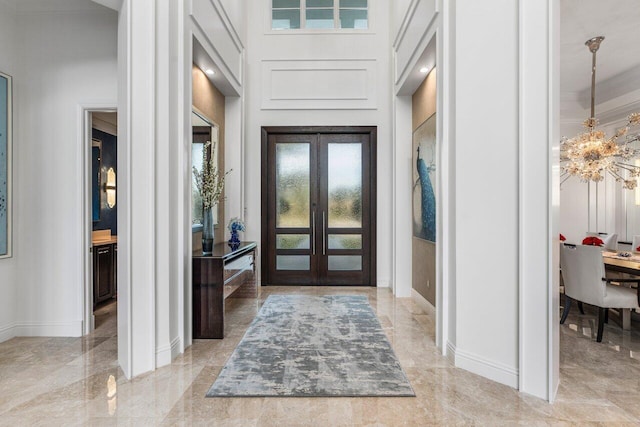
(619, 55)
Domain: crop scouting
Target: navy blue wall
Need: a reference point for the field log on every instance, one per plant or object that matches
(108, 217)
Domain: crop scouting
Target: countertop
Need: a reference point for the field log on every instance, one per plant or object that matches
(103, 237)
(111, 240)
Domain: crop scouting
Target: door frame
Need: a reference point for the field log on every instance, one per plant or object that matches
(86, 124)
(372, 131)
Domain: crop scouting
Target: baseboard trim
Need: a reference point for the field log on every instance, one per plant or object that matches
(7, 332)
(422, 302)
(383, 283)
(48, 329)
(486, 368)
(451, 353)
(166, 353)
(175, 347)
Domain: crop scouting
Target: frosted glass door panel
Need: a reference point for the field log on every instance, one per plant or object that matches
(345, 263)
(292, 185)
(345, 241)
(293, 241)
(345, 185)
(293, 262)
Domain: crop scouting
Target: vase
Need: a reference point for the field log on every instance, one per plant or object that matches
(234, 241)
(207, 231)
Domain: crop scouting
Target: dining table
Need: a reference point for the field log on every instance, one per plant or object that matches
(622, 262)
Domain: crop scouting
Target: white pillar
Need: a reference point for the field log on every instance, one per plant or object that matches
(136, 245)
(499, 128)
(402, 198)
(151, 215)
(539, 198)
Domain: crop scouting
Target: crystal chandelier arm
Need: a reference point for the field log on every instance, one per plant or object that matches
(630, 168)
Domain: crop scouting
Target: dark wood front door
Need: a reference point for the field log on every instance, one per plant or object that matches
(318, 206)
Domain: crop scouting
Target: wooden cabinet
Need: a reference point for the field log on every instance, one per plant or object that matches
(223, 274)
(104, 272)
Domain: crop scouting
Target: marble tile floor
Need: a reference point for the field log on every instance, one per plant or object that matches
(76, 381)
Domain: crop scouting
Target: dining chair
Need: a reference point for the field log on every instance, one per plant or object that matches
(584, 281)
(610, 241)
(635, 243)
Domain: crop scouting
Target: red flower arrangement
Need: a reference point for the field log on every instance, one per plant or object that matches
(638, 249)
(592, 241)
(562, 238)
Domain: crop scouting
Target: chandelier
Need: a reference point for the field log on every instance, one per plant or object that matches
(591, 155)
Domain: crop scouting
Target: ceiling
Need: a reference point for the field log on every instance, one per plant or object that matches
(619, 55)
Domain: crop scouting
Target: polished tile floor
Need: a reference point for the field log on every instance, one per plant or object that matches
(76, 381)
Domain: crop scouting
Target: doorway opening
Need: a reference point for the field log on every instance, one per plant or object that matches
(101, 220)
(319, 206)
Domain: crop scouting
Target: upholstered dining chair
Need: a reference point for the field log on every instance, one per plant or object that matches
(584, 281)
(610, 241)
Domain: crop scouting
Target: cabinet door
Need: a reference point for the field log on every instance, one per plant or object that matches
(103, 271)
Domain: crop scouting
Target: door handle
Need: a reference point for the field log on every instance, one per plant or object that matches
(313, 231)
(324, 234)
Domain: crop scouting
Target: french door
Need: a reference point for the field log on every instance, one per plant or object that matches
(318, 206)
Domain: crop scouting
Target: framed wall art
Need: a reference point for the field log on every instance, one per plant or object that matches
(424, 180)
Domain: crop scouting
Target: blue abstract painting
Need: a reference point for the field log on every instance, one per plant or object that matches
(424, 180)
(5, 140)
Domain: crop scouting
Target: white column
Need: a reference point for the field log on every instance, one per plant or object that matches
(539, 198)
(499, 125)
(402, 198)
(150, 215)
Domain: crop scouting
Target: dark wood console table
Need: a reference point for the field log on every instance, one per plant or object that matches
(224, 273)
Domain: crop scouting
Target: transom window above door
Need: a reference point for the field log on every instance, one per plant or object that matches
(319, 14)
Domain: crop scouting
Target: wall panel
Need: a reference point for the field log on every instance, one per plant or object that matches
(309, 84)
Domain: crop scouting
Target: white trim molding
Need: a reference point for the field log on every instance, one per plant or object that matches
(478, 365)
(285, 84)
(413, 36)
(383, 283)
(48, 329)
(166, 353)
(7, 332)
(422, 302)
(219, 38)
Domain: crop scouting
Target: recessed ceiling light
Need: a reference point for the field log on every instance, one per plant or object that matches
(210, 71)
(424, 70)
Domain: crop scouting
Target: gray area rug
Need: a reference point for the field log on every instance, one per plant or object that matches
(305, 346)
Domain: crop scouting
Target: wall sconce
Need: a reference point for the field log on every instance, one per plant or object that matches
(110, 187)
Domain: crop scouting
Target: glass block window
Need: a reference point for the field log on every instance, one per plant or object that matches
(319, 14)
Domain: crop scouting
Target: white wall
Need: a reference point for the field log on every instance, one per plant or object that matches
(367, 55)
(66, 59)
(8, 283)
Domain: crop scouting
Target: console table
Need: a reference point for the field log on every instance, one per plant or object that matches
(226, 272)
